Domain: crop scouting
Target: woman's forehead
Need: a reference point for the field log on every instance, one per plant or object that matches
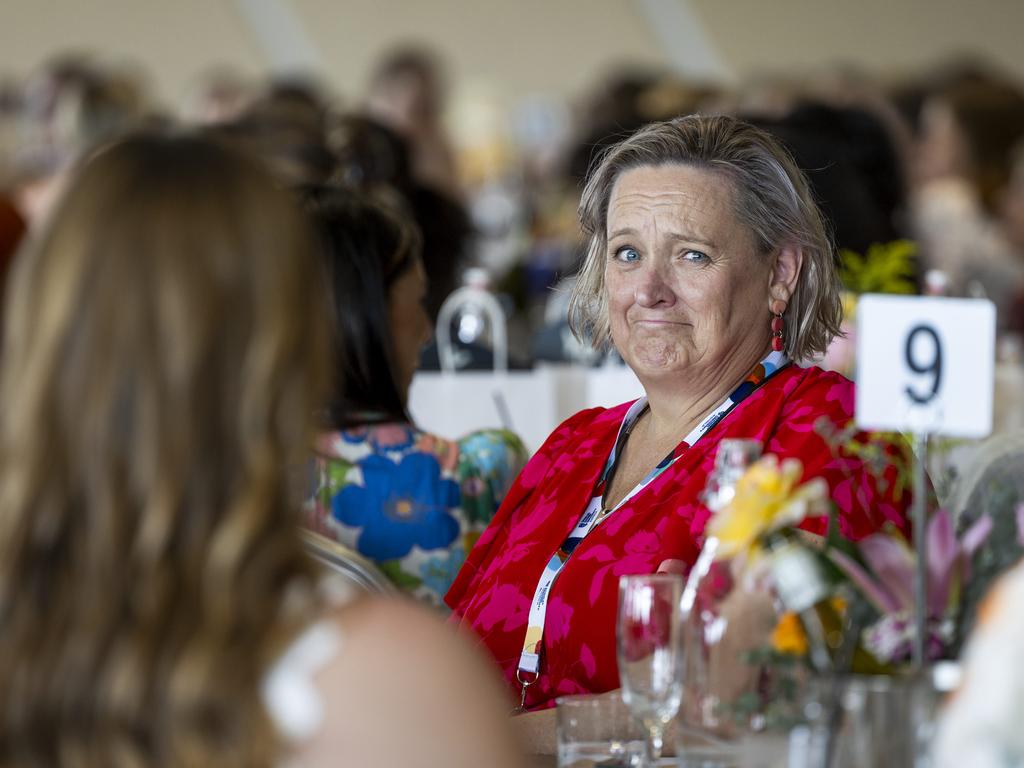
(684, 192)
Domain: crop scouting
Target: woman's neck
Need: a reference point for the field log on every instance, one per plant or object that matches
(677, 408)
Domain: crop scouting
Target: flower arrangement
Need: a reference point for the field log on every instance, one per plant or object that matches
(862, 615)
(768, 498)
(880, 569)
(869, 584)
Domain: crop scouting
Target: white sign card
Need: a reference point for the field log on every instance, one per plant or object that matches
(925, 364)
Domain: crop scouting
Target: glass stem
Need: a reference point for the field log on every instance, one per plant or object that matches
(655, 743)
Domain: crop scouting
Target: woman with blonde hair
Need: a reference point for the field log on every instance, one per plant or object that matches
(160, 369)
(710, 271)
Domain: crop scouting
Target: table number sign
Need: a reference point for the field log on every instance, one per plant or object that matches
(925, 365)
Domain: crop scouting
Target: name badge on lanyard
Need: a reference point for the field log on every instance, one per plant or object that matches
(528, 670)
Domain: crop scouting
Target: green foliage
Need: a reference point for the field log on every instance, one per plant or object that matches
(393, 570)
(885, 268)
(776, 704)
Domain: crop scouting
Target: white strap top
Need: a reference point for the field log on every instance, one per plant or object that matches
(289, 689)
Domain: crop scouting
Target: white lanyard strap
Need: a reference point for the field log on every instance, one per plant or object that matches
(529, 660)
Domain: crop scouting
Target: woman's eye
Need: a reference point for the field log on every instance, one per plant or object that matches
(627, 254)
(695, 256)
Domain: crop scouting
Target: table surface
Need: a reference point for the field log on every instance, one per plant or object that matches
(762, 751)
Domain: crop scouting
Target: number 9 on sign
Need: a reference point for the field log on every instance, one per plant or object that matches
(933, 366)
(925, 364)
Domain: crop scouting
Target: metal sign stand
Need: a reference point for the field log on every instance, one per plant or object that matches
(919, 517)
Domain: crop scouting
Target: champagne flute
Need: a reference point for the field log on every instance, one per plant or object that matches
(650, 655)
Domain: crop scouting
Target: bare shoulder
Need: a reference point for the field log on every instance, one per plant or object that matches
(406, 690)
(407, 636)
(382, 618)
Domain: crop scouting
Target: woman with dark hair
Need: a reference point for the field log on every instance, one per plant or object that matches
(411, 501)
(372, 156)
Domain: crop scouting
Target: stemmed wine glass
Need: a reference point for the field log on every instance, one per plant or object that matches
(650, 654)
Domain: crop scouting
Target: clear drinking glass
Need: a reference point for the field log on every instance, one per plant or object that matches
(650, 654)
(597, 731)
(729, 612)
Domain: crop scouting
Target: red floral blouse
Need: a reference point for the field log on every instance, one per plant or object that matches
(492, 593)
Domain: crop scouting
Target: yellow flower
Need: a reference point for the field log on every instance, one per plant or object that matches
(788, 635)
(767, 498)
(849, 300)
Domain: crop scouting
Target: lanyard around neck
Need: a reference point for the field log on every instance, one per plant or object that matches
(529, 660)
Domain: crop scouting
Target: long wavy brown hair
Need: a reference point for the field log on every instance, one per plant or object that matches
(158, 372)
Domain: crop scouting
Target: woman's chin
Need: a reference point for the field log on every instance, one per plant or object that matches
(657, 367)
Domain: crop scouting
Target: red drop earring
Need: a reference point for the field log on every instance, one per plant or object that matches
(778, 326)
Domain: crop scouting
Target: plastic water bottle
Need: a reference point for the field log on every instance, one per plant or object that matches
(471, 326)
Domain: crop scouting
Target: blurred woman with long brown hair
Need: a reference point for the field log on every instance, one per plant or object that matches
(156, 607)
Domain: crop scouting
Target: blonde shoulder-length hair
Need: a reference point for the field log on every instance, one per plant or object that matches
(159, 371)
(771, 198)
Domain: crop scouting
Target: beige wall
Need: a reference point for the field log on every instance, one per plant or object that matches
(518, 48)
(886, 35)
(522, 46)
(510, 48)
(173, 40)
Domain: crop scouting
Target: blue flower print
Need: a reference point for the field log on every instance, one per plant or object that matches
(439, 572)
(381, 437)
(354, 436)
(398, 506)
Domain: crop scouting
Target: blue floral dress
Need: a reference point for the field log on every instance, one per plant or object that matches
(412, 502)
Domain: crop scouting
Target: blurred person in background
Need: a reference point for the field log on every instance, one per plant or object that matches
(413, 502)
(407, 93)
(164, 351)
(709, 269)
(376, 159)
(856, 178)
(69, 107)
(969, 124)
(372, 156)
(1011, 219)
(622, 102)
(285, 127)
(979, 725)
(853, 169)
(221, 95)
(303, 143)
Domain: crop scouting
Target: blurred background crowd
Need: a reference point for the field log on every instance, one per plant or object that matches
(440, 149)
(483, 121)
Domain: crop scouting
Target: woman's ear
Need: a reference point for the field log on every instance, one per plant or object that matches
(785, 273)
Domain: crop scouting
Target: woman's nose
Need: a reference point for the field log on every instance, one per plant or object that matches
(652, 290)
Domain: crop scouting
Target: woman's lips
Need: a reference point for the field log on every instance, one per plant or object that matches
(654, 321)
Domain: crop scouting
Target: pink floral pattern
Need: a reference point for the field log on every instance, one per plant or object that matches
(491, 595)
